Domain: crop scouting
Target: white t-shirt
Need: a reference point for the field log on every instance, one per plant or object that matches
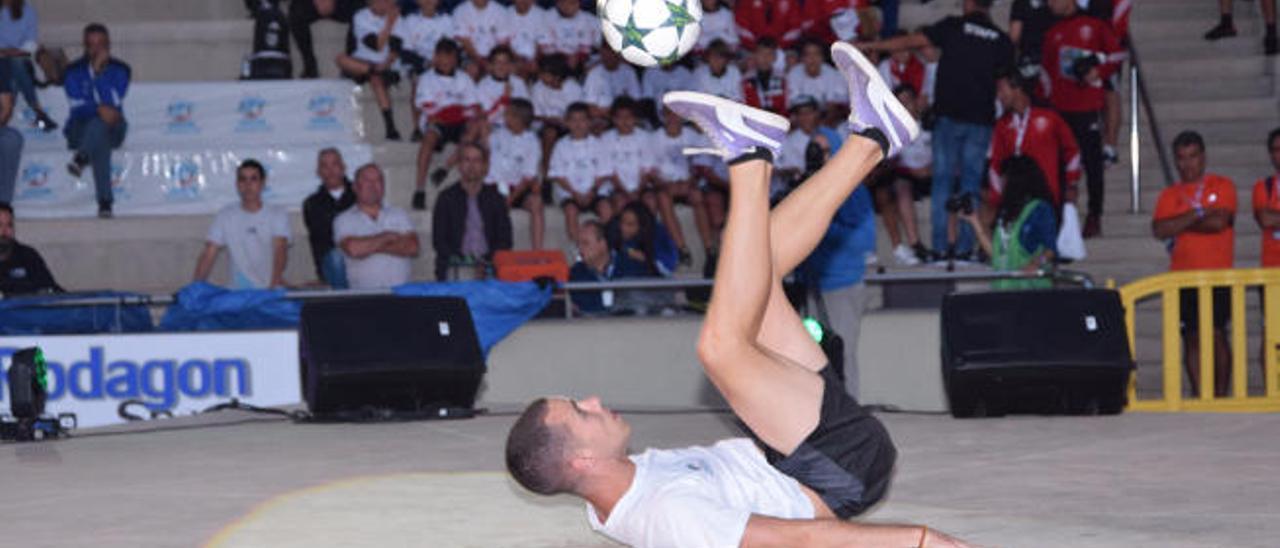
(365, 23)
(727, 85)
(602, 85)
(930, 80)
(629, 156)
(484, 27)
(525, 30)
(919, 153)
(569, 35)
(718, 24)
(552, 103)
(491, 95)
(657, 82)
(793, 148)
(380, 270)
(579, 162)
(421, 34)
(248, 238)
(438, 93)
(700, 497)
(514, 158)
(828, 87)
(673, 164)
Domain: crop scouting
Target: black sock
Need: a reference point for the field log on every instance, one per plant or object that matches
(1226, 21)
(758, 153)
(388, 119)
(874, 133)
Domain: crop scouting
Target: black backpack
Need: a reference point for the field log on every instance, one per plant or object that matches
(270, 57)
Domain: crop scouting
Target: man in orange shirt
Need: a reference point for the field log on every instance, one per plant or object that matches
(1266, 206)
(1196, 215)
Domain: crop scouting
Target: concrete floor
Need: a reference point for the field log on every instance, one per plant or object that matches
(231, 479)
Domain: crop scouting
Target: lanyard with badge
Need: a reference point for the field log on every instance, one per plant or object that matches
(1020, 124)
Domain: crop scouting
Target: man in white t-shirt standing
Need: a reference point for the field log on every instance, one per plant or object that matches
(818, 456)
(377, 240)
(256, 235)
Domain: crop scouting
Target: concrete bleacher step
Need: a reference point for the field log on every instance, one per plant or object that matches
(1174, 88)
(1201, 110)
(112, 11)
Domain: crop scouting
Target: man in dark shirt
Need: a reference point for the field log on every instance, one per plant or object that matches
(1028, 21)
(318, 211)
(470, 220)
(96, 85)
(974, 52)
(22, 270)
(595, 265)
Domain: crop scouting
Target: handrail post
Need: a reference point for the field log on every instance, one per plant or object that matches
(1135, 149)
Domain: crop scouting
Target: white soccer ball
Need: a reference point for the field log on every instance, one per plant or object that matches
(651, 32)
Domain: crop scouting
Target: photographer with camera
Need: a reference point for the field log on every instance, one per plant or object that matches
(1026, 230)
(1080, 53)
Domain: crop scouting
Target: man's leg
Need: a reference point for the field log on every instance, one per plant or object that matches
(10, 156)
(302, 14)
(946, 165)
(95, 145)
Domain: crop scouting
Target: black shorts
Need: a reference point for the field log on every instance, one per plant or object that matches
(591, 207)
(1191, 308)
(847, 460)
(449, 133)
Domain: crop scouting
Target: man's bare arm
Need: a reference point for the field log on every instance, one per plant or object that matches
(359, 247)
(402, 245)
(767, 532)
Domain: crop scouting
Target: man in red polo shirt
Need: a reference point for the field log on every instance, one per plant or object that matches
(1197, 215)
(1027, 130)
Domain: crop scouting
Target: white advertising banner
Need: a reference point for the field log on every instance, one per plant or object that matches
(184, 140)
(182, 373)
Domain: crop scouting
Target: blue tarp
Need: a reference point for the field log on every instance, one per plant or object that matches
(497, 308)
(28, 316)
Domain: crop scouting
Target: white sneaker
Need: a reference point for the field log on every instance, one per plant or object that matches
(871, 102)
(905, 255)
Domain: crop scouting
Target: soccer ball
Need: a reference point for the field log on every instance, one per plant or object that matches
(651, 32)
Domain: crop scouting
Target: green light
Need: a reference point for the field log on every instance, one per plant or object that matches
(42, 372)
(815, 329)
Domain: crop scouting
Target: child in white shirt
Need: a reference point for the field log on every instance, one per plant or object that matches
(630, 163)
(480, 27)
(717, 24)
(419, 33)
(610, 80)
(374, 28)
(718, 76)
(495, 91)
(446, 96)
(675, 179)
(516, 164)
(527, 23)
(576, 171)
(571, 32)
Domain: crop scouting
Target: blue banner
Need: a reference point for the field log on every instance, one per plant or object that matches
(34, 316)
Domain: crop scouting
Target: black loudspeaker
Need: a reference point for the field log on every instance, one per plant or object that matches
(387, 357)
(26, 378)
(1047, 352)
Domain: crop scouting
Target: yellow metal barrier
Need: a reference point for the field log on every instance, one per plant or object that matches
(1167, 286)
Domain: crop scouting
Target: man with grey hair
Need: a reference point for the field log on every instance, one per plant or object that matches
(377, 240)
(334, 196)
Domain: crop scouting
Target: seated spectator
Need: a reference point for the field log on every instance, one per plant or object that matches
(676, 181)
(420, 33)
(470, 220)
(447, 98)
(96, 85)
(551, 96)
(334, 196)
(11, 140)
(377, 34)
(22, 269)
(496, 91)
(794, 162)
(717, 24)
(18, 44)
(609, 80)
(718, 76)
(378, 241)
(516, 160)
(657, 82)
(777, 20)
(642, 248)
(763, 87)
(1198, 215)
(902, 67)
(571, 33)
(304, 13)
(256, 235)
(481, 25)
(526, 24)
(818, 79)
(899, 182)
(576, 170)
(628, 155)
(1026, 232)
(595, 264)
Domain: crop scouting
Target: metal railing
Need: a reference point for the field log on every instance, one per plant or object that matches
(1138, 94)
(1168, 287)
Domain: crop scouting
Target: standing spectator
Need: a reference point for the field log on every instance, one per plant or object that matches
(470, 221)
(903, 68)
(18, 44)
(816, 78)
(1197, 214)
(377, 241)
(570, 32)
(447, 98)
(1039, 133)
(420, 33)
(377, 33)
(256, 235)
(304, 13)
(22, 269)
(1079, 56)
(973, 51)
(596, 263)
(763, 87)
(1026, 225)
(676, 181)
(628, 159)
(1266, 205)
(516, 160)
(334, 196)
(1226, 26)
(480, 27)
(525, 24)
(778, 20)
(609, 80)
(576, 171)
(719, 77)
(96, 85)
(11, 140)
(717, 24)
(1029, 21)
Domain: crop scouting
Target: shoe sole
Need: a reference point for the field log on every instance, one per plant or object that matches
(762, 116)
(846, 51)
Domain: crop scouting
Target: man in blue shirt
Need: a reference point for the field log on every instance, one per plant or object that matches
(96, 85)
(10, 139)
